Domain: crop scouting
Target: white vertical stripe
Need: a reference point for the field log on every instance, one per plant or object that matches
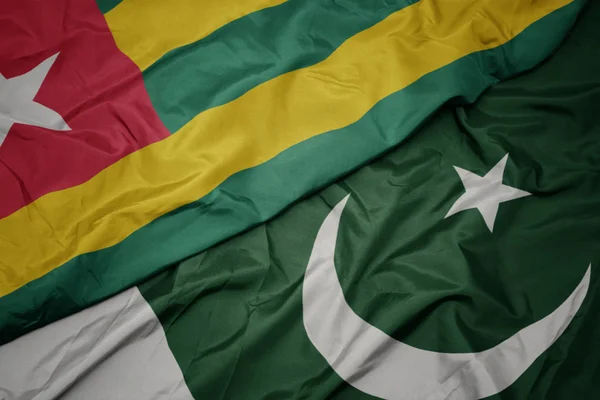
(115, 350)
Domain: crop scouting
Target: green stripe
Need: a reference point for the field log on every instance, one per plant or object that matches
(107, 5)
(252, 196)
(253, 50)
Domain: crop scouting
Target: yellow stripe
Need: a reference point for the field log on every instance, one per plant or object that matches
(146, 30)
(253, 129)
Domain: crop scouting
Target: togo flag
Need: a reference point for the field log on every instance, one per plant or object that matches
(137, 133)
(463, 265)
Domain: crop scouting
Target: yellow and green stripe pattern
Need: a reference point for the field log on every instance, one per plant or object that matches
(266, 101)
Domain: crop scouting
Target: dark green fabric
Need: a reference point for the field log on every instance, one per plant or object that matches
(233, 315)
(107, 5)
(255, 195)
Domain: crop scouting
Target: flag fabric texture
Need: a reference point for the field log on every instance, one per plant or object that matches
(462, 264)
(138, 133)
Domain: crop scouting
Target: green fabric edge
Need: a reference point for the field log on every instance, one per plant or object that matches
(107, 5)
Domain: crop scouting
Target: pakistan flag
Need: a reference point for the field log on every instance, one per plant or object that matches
(464, 264)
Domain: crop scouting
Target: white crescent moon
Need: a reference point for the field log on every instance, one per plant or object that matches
(381, 366)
